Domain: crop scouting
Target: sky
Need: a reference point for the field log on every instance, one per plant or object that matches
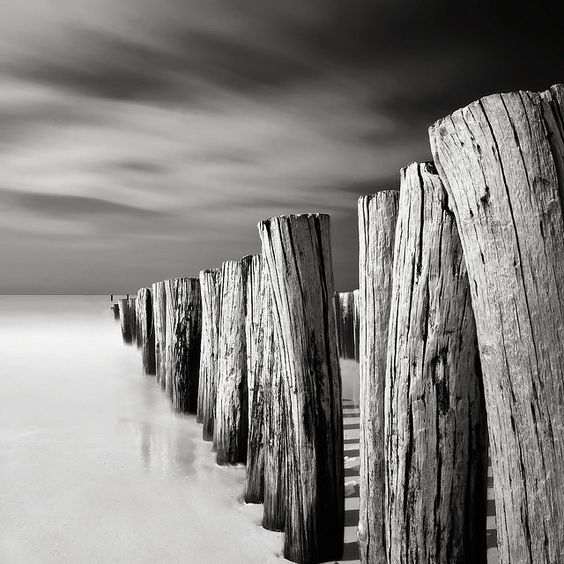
(145, 139)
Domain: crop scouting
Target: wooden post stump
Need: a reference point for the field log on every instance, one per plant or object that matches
(124, 315)
(275, 424)
(184, 342)
(146, 329)
(297, 253)
(159, 323)
(435, 420)
(502, 162)
(254, 487)
(210, 284)
(231, 420)
(345, 323)
(377, 216)
(171, 289)
(115, 309)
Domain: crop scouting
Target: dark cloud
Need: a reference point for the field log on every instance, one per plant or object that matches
(229, 109)
(61, 205)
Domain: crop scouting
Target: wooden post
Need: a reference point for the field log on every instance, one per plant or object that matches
(275, 414)
(231, 422)
(356, 322)
(184, 341)
(138, 321)
(377, 216)
(132, 306)
(210, 284)
(146, 329)
(254, 487)
(297, 253)
(170, 287)
(435, 420)
(124, 315)
(159, 323)
(502, 162)
(345, 323)
(115, 309)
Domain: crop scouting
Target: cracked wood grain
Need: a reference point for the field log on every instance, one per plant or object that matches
(377, 216)
(501, 160)
(210, 286)
(435, 428)
(297, 254)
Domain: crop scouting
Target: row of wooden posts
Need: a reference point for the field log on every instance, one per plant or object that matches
(461, 338)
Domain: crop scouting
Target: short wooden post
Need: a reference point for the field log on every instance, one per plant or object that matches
(297, 253)
(275, 414)
(377, 216)
(159, 323)
(146, 329)
(124, 315)
(502, 162)
(184, 342)
(254, 487)
(435, 420)
(231, 421)
(210, 284)
(115, 309)
(345, 323)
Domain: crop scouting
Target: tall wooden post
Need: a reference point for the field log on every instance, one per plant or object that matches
(377, 216)
(435, 420)
(184, 342)
(146, 329)
(275, 415)
(502, 162)
(231, 420)
(254, 487)
(210, 284)
(124, 316)
(159, 323)
(297, 253)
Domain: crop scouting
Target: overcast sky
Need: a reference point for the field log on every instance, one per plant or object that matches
(141, 139)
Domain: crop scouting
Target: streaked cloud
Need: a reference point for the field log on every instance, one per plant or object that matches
(143, 139)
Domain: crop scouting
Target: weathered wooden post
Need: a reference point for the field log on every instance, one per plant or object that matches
(356, 322)
(210, 284)
(275, 414)
(124, 315)
(502, 162)
(297, 253)
(377, 216)
(159, 323)
(254, 487)
(231, 420)
(184, 343)
(345, 323)
(115, 309)
(146, 329)
(138, 326)
(171, 289)
(132, 307)
(435, 421)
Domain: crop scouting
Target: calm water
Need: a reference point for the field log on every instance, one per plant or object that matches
(94, 467)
